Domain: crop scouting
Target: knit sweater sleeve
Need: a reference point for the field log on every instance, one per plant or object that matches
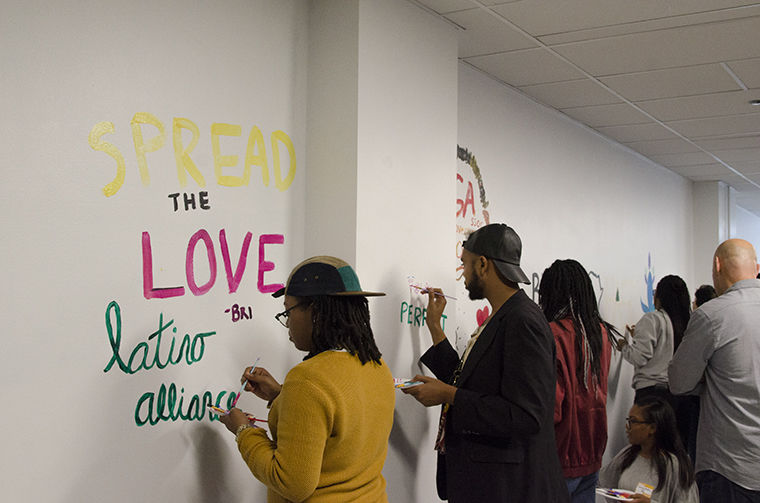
(291, 466)
(609, 475)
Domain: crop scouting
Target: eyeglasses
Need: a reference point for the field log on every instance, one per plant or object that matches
(284, 317)
(629, 422)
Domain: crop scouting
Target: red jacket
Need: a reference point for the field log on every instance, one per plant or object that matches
(580, 414)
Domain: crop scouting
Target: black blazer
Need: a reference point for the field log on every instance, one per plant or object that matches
(500, 430)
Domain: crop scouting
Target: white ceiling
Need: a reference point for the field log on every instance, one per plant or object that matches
(670, 79)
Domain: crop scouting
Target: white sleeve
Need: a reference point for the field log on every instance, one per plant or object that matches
(643, 343)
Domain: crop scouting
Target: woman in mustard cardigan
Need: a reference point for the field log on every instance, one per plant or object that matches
(331, 417)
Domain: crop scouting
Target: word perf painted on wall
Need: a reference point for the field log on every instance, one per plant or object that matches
(168, 345)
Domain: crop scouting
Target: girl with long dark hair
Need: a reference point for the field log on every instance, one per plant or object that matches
(583, 340)
(655, 337)
(655, 459)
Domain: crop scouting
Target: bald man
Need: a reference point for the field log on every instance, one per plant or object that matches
(719, 359)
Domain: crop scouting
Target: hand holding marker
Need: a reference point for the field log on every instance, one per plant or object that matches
(242, 388)
(426, 290)
(223, 412)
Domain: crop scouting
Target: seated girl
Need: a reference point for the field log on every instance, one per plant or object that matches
(655, 458)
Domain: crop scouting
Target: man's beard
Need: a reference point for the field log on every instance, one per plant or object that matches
(475, 288)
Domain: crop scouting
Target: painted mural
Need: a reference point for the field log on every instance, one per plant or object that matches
(169, 343)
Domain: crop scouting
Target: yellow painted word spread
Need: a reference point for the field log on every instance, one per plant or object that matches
(255, 152)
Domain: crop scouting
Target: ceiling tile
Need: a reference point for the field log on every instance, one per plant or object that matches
(687, 159)
(741, 184)
(612, 30)
(616, 114)
(672, 82)
(541, 17)
(695, 107)
(636, 132)
(485, 33)
(738, 155)
(749, 141)
(748, 70)
(574, 93)
(750, 201)
(703, 171)
(654, 147)
(526, 67)
(747, 168)
(745, 186)
(444, 6)
(695, 128)
(684, 46)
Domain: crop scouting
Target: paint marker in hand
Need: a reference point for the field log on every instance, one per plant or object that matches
(426, 290)
(242, 388)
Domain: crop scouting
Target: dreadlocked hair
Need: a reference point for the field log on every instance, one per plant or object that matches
(342, 322)
(565, 291)
(673, 295)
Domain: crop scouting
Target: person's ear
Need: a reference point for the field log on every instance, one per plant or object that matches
(482, 263)
(652, 429)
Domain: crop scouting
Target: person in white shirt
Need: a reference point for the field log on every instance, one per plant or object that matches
(655, 337)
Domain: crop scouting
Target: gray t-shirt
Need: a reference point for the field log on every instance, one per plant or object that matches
(611, 476)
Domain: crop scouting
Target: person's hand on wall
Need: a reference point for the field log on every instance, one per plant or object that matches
(261, 383)
(435, 307)
(431, 392)
(621, 343)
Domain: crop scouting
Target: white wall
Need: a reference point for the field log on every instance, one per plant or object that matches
(712, 217)
(333, 63)
(746, 226)
(407, 125)
(569, 193)
(69, 250)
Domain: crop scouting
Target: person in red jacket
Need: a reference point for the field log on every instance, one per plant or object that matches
(584, 343)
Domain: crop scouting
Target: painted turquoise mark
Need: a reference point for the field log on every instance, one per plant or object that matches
(649, 281)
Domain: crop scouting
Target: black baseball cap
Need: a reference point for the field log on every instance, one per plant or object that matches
(500, 243)
(323, 275)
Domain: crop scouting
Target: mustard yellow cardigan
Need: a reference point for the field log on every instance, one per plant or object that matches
(330, 426)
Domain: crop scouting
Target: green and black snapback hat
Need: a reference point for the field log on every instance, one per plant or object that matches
(323, 275)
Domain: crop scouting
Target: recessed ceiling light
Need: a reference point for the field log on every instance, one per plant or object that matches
(754, 102)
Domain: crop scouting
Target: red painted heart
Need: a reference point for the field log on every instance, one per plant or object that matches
(482, 315)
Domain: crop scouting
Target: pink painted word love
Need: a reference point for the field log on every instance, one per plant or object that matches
(233, 278)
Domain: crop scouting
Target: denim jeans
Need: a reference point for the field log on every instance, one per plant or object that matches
(583, 489)
(715, 488)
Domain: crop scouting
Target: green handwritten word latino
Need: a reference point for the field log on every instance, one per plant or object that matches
(191, 349)
(164, 406)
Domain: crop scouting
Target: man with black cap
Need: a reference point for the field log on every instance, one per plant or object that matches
(496, 433)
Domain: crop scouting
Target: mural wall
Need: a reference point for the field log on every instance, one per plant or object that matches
(153, 179)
